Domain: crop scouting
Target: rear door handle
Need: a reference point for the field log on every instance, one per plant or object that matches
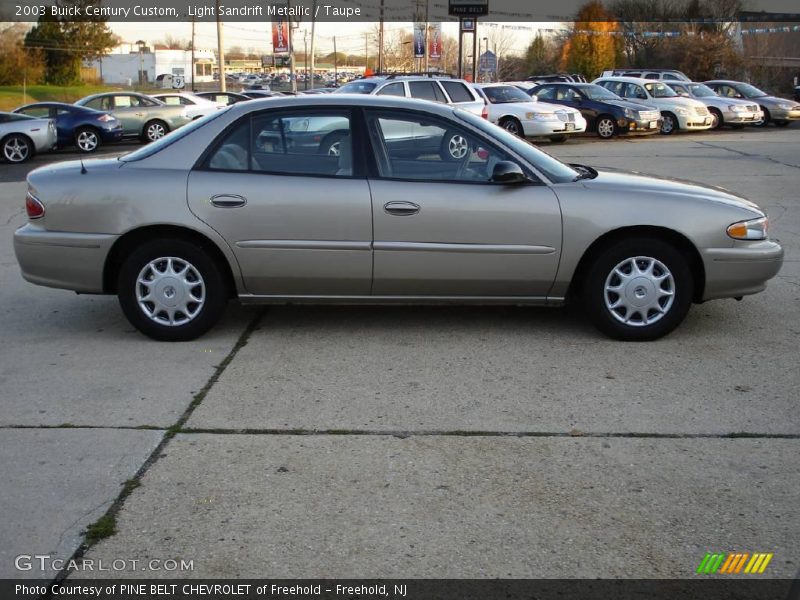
(228, 201)
(401, 208)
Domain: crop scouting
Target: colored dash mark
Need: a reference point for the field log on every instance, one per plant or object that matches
(711, 562)
(734, 562)
(758, 563)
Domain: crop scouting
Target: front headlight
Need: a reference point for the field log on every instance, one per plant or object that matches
(682, 111)
(544, 116)
(785, 106)
(630, 114)
(754, 229)
(737, 108)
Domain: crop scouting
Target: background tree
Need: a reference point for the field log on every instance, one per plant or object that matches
(65, 43)
(18, 65)
(591, 48)
(541, 56)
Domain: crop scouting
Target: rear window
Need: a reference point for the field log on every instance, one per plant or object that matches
(426, 90)
(457, 91)
(393, 89)
(357, 87)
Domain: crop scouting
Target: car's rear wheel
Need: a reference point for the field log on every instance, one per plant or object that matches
(155, 130)
(455, 147)
(781, 123)
(512, 125)
(638, 289)
(331, 145)
(558, 139)
(171, 290)
(669, 124)
(716, 118)
(17, 148)
(606, 127)
(87, 139)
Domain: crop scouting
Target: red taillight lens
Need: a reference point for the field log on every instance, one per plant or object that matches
(34, 207)
(485, 112)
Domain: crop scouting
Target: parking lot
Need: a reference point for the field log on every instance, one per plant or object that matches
(440, 442)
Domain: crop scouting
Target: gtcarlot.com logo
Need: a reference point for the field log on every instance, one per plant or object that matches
(734, 563)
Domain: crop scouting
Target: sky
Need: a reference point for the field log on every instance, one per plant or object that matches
(257, 35)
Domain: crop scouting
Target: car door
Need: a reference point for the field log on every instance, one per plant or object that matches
(569, 96)
(441, 228)
(297, 218)
(128, 110)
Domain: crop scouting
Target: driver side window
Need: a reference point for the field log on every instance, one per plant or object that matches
(419, 148)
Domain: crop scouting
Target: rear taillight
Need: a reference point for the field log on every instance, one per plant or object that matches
(34, 207)
(485, 112)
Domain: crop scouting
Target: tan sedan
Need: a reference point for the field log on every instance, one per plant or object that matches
(365, 199)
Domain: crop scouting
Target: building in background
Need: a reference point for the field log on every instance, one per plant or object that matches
(135, 64)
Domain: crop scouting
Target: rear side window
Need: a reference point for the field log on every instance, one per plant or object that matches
(426, 90)
(546, 93)
(457, 91)
(393, 89)
(652, 76)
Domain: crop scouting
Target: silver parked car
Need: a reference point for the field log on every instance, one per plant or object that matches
(776, 110)
(141, 116)
(724, 111)
(22, 136)
(239, 204)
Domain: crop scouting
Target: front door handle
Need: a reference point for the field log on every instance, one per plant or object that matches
(401, 208)
(228, 201)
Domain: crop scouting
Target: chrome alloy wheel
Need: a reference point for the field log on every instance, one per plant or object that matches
(155, 131)
(335, 149)
(605, 128)
(639, 291)
(16, 150)
(457, 146)
(87, 140)
(170, 291)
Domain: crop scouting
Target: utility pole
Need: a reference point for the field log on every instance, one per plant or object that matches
(192, 88)
(366, 53)
(292, 75)
(427, 27)
(305, 54)
(380, 42)
(335, 64)
(220, 51)
(313, 22)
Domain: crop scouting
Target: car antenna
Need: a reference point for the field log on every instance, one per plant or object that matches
(83, 167)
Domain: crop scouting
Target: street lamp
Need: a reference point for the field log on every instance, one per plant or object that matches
(486, 41)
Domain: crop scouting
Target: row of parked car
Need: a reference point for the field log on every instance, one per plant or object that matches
(551, 107)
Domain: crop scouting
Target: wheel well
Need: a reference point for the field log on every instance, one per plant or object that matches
(132, 239)
(604, 116)
(677, 240)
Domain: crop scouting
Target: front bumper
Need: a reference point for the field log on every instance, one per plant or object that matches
(694, 122)
(533, 128)
(637, 127)
(741, 270)
(742, 118)
(72, 261)
(785, 115)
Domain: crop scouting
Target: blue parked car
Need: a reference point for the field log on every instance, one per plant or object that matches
(606, 113)
(83, 127)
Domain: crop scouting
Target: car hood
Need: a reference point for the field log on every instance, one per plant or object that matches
(628, 104)
(678, 101)
(770, 100)
(631, 181)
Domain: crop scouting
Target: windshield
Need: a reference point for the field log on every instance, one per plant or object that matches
(173, 136)
(749, 91)
(357, 87)
(553, 168)
(660, 90)
(503, 94)
(598, 92)
(701, 91)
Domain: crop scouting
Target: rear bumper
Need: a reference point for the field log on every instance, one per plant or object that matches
(72, 261)
(636, 127)
(741, 270)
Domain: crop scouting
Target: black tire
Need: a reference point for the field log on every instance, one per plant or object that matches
(512, 125)
(17, 148)
(558, 139)
(154, 130)
(606, 127)
(718, 122)
(455, 147)
(669, 123)
(599, 301)
(767, 117)
(781, 123)
(86, 139)
(149, 317)
(330, 144)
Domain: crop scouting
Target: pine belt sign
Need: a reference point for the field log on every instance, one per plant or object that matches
(468, 8)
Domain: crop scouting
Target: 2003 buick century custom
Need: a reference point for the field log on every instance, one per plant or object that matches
(341, 198)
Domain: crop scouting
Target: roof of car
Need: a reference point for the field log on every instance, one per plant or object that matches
(731, 81)
(639, 80)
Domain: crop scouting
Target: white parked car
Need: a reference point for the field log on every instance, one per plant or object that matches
(194, 106)
(517, 112)
(676, 112)
(22, 136)
(724, 111)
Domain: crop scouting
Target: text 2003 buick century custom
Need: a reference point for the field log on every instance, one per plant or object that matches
(375, 199)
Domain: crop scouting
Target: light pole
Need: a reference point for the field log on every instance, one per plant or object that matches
(486, 41)
(141, 44)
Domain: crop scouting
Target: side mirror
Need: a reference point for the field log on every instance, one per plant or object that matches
(508, 172)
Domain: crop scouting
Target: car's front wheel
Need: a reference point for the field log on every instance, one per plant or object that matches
(669, 123)
(154, 130)
(454, 148)
(171, 290)
(606, 128)
(17, 148)
(87, 139)
(512, 125)
(716, 118)
(638, 289)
